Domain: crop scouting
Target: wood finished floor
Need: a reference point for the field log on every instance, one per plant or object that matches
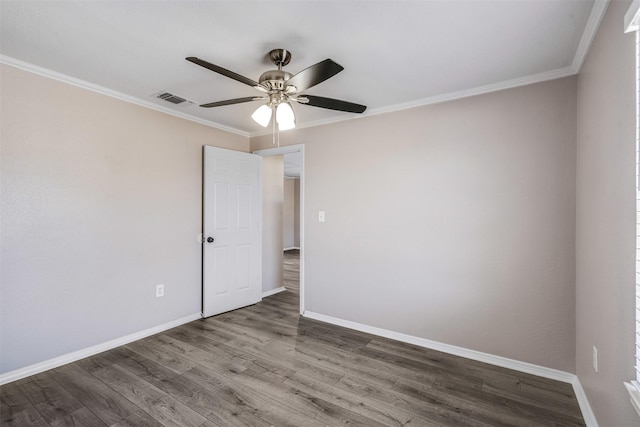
(265, 366)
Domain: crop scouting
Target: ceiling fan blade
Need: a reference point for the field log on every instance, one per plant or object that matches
(314, 74)
(334, 104)
(231, 101)
(223, 71)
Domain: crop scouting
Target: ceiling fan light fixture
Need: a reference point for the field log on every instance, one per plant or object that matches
(286, 126)
(285, 116)
(279, 87)
(262, 115)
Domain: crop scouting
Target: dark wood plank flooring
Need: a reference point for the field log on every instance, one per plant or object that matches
(265, 366)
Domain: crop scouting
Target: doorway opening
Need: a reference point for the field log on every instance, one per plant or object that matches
(293, 255)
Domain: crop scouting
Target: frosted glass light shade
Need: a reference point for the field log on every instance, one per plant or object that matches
(286, 125)
(285, 117)
(262, 115)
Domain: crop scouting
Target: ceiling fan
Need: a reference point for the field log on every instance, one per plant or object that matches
(280, 87)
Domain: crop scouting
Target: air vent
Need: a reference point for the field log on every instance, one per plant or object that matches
(170, 97)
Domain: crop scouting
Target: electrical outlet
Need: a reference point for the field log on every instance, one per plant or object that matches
(321, 216)
(159, 291)
(595, 359)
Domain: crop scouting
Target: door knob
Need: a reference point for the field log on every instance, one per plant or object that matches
(209, 239)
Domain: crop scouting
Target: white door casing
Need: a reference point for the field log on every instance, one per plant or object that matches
(232, 217)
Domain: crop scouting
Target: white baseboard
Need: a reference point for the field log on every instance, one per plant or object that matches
(504, 362)
(93, 350)
(291, 248)
(585, 407)
(273, 292)
(492, 359)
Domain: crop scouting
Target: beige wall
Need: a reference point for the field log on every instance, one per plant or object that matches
(606, 220)
(272, 222)
(462, 230)
(288, 213)
(101, 201)
(452, 222)
(296, 213)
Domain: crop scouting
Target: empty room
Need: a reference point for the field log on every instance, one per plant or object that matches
(319, 213)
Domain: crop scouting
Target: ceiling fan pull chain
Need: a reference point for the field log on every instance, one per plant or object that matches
(276, 133)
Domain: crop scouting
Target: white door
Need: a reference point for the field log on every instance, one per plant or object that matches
(232, 235)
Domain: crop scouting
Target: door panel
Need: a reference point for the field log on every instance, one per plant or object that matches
(221, 203)
(232, 217)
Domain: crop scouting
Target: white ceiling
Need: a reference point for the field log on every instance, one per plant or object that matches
(396, 54)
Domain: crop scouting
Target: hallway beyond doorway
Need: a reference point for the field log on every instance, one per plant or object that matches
(291, 271)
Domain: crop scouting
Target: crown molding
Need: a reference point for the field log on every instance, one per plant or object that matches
(632, 17)
(593, 23)
(597, 13)
(45, 72)
(590, 30)
(479, 90)
(451, 96)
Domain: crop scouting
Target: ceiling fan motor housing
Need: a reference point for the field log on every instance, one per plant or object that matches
(274, 79)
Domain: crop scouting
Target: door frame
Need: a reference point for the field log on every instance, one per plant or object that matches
(277, 152)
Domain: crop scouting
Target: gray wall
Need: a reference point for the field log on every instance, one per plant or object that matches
(272, 203)
(453, 222)
(606, 220)
(101, 201)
